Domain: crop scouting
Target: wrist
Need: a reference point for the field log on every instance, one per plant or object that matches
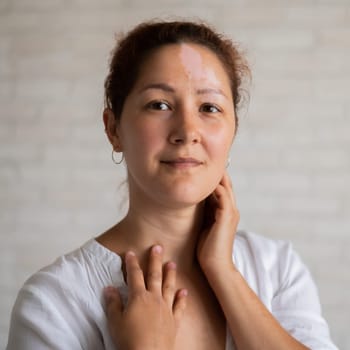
(218, 270)
(223, 279)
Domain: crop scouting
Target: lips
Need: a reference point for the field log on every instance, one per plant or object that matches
(182, 162)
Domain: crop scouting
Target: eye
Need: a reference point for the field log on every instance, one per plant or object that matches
(210, 108)
(158, 105)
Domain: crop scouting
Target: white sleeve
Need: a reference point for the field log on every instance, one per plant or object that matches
(46, 315)
(296, 303)
(37, 324)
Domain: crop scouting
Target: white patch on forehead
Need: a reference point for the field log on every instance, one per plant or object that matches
(191, 60)
(197, 66)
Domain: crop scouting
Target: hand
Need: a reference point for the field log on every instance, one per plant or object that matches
(154, 310)
(215, 245)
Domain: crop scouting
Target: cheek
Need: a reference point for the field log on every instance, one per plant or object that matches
(142, 140)
(219, 144)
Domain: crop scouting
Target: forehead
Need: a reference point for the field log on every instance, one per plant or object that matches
(184, 61)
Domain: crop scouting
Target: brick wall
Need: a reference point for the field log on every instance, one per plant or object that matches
(290, 163)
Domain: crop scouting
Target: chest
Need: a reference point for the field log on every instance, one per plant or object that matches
(203, 326)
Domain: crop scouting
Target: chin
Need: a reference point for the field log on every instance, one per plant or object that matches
(178, 193)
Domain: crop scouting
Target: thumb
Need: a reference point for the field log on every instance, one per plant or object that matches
(114, 306)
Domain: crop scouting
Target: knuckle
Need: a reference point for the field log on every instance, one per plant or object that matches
(154, 275)
(168, 288)
(135, 270)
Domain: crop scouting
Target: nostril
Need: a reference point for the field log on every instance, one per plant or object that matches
(178, 140)
(184, 137)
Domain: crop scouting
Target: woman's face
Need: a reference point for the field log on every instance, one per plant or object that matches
(177, 126)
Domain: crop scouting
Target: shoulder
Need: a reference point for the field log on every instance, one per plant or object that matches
(271, 266)
(284, 284)
(257, 249)
(57, 286)
(64, 300)
(83, 267)
(258, 241)
(68, 270)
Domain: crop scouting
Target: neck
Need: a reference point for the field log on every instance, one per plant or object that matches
(176, 230)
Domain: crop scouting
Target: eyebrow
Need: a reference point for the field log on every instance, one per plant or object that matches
(158, 86)
(168, 88)
(211, 91)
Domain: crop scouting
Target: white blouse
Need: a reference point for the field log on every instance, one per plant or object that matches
(62, 306)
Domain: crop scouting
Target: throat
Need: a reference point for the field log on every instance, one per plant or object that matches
(176, 230)
(177, 234)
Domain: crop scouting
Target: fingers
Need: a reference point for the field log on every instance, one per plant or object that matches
(169, 283)
(154, 275)
(227, 183)
(155, 282)
(113, 304)
(176, 299)
(226, 188)
(180, 304)
(225, 201)
(135, 279)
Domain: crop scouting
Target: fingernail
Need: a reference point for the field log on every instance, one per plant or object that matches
(129, 253)
(157, 249)
(184, 292)
(172, 265)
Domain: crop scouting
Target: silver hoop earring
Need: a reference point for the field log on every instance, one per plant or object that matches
(228, 163)
(114, 161)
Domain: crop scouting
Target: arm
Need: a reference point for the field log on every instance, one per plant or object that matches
(250, 323)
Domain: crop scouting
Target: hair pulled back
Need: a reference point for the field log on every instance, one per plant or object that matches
(133, 48)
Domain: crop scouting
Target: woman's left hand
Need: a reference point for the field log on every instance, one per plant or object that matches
(221, 217)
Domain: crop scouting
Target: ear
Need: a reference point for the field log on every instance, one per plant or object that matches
(111, 129)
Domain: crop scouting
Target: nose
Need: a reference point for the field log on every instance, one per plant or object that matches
(185, 129)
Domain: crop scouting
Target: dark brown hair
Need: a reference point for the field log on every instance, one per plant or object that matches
(133, 48)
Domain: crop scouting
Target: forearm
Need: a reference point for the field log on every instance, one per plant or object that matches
(251, 324)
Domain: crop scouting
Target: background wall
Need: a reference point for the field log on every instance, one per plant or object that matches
(290, 163)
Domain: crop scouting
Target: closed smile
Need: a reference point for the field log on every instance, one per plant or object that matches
(182, 162)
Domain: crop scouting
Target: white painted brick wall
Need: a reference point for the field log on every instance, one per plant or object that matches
(290, 163)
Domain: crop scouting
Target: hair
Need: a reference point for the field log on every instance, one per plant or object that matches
(133, 48)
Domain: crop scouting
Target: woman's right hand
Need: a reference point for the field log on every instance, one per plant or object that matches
(154, 310)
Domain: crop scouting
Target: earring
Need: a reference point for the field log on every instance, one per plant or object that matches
(228, 162)
(114, 161)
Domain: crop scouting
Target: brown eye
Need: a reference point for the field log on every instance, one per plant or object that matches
(209, 108)
(158, 106)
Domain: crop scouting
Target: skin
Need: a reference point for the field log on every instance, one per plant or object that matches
(186, 127)
(189, 121)
(156, 292)
(180, 108)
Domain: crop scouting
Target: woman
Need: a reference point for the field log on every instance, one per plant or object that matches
(179, 275)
